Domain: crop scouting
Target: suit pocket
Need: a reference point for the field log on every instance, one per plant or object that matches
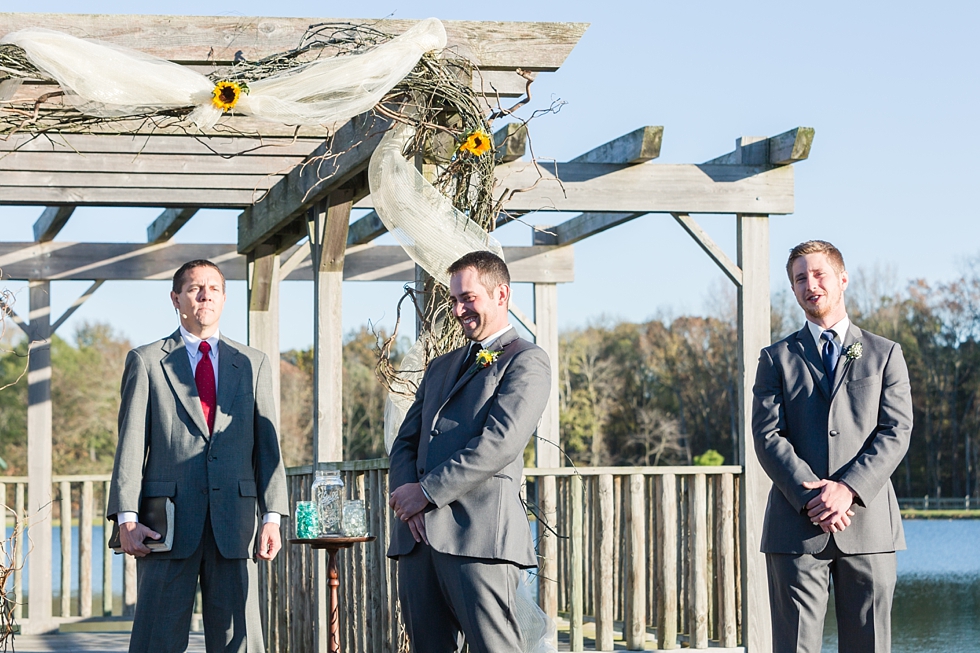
(159, 488)
(873, 380)
(247, 488)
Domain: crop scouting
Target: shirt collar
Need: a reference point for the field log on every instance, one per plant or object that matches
(192, 342)
(487, 341)
(840, 329)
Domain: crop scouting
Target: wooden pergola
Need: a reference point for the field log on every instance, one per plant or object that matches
(296, 190)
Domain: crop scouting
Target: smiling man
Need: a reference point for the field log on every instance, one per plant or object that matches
(197, 424)
(831, 420)
(462, 533)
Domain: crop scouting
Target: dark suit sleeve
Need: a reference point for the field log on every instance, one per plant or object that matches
(405, 449)
(881, 456)
(521, 399)
(270, 473)
(776, 453)
(134, 429)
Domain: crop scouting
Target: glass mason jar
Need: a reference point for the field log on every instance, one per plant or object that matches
(328, 495)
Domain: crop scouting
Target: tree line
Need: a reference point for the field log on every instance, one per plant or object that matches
(658, 392)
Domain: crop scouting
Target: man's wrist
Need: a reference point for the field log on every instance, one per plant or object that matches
(126, 517)
(272, 518)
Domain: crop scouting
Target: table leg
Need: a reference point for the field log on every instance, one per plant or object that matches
(333, 646)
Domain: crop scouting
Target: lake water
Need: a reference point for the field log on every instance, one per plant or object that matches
(937, 599)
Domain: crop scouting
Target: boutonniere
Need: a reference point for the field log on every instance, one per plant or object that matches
(487, 357)
(854, 351)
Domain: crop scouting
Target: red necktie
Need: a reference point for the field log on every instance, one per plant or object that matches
(204, 377)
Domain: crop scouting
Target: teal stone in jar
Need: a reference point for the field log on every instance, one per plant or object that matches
(307, 520)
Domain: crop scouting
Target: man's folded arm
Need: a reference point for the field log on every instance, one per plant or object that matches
(881, 457)
(776, 453)
(519, 403)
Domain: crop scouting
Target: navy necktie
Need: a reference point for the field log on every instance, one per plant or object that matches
(830, 353)
(470, 359)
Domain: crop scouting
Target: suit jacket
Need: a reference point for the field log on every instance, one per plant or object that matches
(855, 431)
(164, 447)
(464, 441)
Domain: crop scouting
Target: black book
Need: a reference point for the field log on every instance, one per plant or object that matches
(156, 513)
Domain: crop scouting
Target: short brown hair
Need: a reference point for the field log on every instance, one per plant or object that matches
(815, 247)
(190, 265)
(491, 268)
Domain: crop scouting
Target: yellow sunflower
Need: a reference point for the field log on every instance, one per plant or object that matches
(226, 94)
(477, 143)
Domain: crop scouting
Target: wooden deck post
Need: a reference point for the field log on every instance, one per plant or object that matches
(546, 448)
(39, 494)
(753, 335)
(263, 310)
(329, 223)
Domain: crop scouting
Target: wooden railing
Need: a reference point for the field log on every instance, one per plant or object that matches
(680, 589)
(652, 551)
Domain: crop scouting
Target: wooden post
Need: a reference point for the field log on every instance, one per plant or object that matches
(106, 558)
(698, 543)
(85, 551)
(19, 546)
(263, 310)
(753, 335)
(129, 586)
(548, 545)
(329, 223)
(576, 547)
(605, 541)
(667, 534)
(727, 633)
(39, 494)
(547, 453)
(64, 492)
(328, 244)
(635, 627)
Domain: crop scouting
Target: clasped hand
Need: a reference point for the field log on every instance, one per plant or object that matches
(831, 509)
(408, 501)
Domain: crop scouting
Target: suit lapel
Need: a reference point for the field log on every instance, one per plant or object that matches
(808, 350)
(508, 337)
(229, 377)
(177, 368)
(845, 364)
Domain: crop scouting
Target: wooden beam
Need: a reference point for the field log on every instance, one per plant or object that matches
(365, 229)
(638, 146)
(134, 196)
(523, 318)
(168, 180)
(135, 261)
(329, 167)
(510, 142)
(710, 247)
(51, 222)
(263, 312)
(584, 225)
(84, 297)
(230, 145)
(40, 161)
(217, 39)
(294, 257)
(168, 223)
(660, 188)
(786, 148)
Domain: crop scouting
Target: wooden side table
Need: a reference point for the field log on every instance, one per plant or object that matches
(333, 545)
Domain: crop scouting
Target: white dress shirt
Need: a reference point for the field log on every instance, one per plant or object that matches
(192, 343)
(839, 329)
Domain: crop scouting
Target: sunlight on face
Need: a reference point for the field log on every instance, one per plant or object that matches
(200, 301)
(480, 311)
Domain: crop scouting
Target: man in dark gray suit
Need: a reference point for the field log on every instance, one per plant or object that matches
(462, 533)
(197, 423)
(831, 419)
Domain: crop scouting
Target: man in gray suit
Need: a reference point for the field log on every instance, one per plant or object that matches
(197, 424)
(462, 533)
(831, 419)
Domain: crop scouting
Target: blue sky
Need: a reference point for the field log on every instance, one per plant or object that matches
(891, 89)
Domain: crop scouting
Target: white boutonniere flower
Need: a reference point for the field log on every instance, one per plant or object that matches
(854, 351)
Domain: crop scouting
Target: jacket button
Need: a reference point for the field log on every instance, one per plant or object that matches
(832, 433)
(435, 432)
(210, 458)
(421, 471)
(204, 490)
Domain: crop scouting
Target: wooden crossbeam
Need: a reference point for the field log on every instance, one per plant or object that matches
(329, 167)
(217, 39)
(365, 229)
(638, 146)
(784, 149)
(710, 247)
(135, 261)
(237, 147)
(84, 297)
(168, 223)
(51, 222)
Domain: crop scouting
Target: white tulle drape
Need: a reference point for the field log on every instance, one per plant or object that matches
(106, 80)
